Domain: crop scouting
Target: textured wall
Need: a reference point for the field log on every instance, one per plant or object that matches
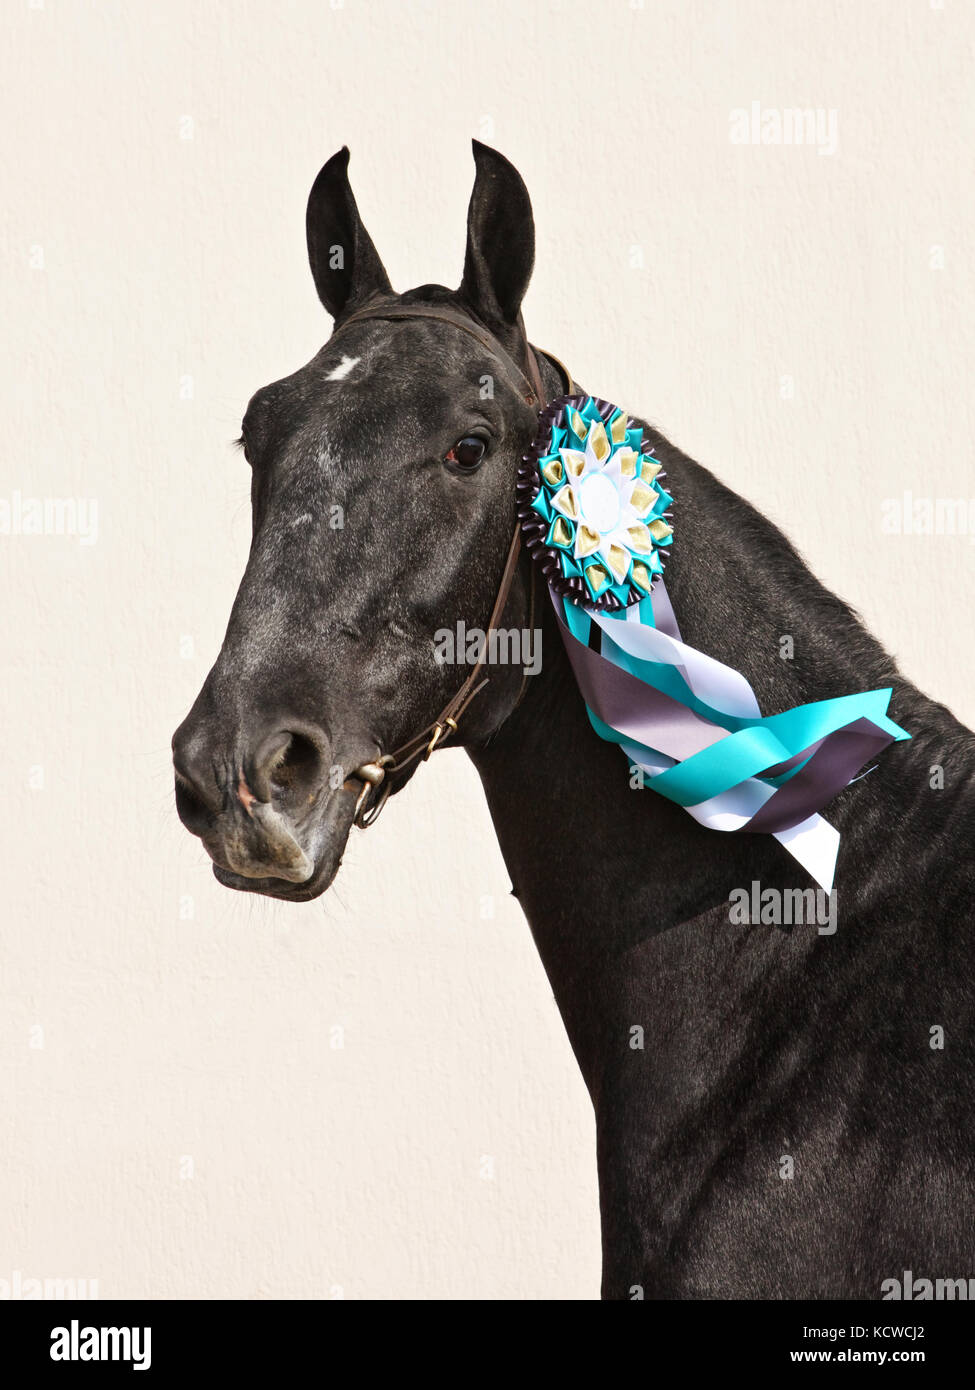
(178, 1117)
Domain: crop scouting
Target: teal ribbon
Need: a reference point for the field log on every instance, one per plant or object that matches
(752, 745)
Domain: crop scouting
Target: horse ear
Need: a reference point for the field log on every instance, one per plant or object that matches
(344, 263)
(500, 239)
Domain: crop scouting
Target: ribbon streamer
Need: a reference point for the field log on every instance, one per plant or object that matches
(694, 728)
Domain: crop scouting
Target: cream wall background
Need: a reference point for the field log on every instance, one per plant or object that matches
(179, 1119)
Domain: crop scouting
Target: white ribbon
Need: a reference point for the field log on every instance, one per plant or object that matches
(814, 843)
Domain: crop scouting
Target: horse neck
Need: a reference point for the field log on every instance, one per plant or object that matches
(598, 866)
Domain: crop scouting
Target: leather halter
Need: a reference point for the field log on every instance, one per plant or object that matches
(377, 774)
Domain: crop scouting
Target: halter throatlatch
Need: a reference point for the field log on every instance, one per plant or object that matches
(376, 776)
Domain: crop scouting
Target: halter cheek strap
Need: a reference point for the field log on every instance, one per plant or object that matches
(376, 776)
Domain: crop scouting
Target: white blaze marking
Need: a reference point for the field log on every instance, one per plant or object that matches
(340, 372)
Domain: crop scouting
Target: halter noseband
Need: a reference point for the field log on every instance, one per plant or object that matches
(376, 775)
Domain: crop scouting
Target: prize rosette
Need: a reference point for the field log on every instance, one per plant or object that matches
(595, 516)
(593, 510)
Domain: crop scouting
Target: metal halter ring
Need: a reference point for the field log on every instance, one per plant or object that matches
(372, 776)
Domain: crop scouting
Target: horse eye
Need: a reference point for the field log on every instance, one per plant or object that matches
(467, 453)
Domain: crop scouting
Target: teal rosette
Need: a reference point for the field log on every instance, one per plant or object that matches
(595, 516)
(592, 505)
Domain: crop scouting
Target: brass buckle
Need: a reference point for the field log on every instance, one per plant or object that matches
(440, 731)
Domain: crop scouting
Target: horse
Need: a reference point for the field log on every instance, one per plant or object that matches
(781, 1112)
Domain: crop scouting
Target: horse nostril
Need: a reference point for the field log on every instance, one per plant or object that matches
(191, 808)
(290, 772)
(199, 798)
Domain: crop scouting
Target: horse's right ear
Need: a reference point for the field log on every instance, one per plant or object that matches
(344, 263)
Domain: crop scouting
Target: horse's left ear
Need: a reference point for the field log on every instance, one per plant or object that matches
(500, 239)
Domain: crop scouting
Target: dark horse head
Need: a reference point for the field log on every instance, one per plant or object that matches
(383, 484)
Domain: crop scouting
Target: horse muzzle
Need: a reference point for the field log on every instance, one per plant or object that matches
(272, 820)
